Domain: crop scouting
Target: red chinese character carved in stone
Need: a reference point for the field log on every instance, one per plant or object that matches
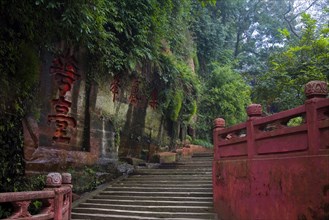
(64, 69)
(154, 99)
(62, 106)
(134, 98)
(115, 86)
(62, 124)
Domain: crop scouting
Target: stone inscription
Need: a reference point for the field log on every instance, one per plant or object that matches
(64, 70)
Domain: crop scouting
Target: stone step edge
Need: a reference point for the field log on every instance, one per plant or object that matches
(84, 197)
(146, 212)
(156, 198)
(123, 201)
(163, 185)
(84, 205)
(154, 193)
(125, 188)
(108, 216)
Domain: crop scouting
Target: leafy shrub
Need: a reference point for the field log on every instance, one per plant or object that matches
(35, 207)
(295, 122)
(203, 143)
(5, 210)
(87, 178)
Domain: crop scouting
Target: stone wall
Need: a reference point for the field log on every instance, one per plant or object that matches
(80, 121)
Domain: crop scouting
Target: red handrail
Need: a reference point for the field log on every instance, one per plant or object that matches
(56, 199)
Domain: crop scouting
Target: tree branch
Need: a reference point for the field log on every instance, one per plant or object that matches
(289, 21)
(293, 18)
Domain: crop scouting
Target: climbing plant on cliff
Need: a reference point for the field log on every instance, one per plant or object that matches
(27, 29)
(181, 89)
(118, 36)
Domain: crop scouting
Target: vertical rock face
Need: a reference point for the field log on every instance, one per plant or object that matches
(56, 140)
(83, 122)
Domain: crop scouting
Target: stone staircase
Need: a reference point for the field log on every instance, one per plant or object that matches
(176, 191)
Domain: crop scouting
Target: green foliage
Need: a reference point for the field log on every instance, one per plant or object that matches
(295, 122)
(11, 147)
(204, 143)
(182, 88)
(5, 210)
(35, 207)
(285, 33)
(176, 105)
(119, 37)
(226, 95)
(87, 178)
(194, 108)
(211, 34)
(84, 179)
(302, 61)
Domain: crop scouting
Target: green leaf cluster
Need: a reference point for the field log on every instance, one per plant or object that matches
(226, 96)
(118, 36)
(182, 89)
(303, 60)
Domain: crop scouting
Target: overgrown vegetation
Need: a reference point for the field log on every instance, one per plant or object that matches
(208, 59)
(87, 178)
(203, 143)
(119, 36)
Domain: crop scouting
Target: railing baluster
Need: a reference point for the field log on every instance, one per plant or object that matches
(21, 210)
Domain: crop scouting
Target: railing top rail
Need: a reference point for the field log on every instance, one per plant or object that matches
(23, 196)
(281, 115)
(233, 128)
(278, 133)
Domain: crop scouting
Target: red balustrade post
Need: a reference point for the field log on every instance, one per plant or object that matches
(219, 124)
(67, 181)
(314, 91)
(54, 181)
(254, 111)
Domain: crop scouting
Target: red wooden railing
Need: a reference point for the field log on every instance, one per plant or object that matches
(56, 199)
(271, 135)
(265, 168)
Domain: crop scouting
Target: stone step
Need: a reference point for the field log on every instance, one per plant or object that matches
(137, 193)
(170, 177)
(158, 189)
(150, 208)
(155, 198)
(198, 159)
(166, 179)
(181, 168)
(164, 183)
(172, 171)
(149, 202)
(195, 163)
(157, 214)
(182, 178)
(203, 154)
(129, 217)
(179, 191)
(184, 166)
